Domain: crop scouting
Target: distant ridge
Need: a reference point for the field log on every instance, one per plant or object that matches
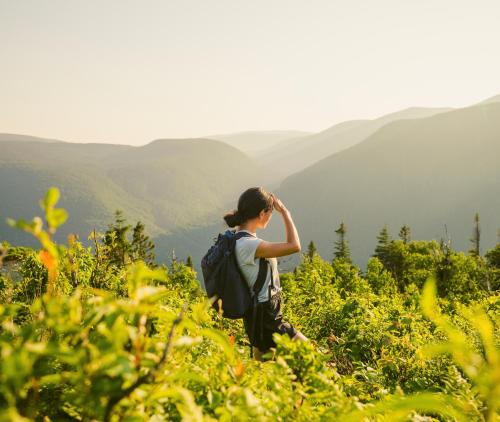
(297, 154)
(252, 142)
(495, 99)
(11, 137)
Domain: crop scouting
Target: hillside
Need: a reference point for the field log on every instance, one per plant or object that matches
(494, 99)
(425, 173)
(11, 137)
(167, 184)
(255, 142)
(297, 154)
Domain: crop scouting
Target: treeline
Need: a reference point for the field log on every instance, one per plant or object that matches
(411, 262)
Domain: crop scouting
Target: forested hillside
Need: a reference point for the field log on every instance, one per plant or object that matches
(104, 334)
(171, 185)
(432, 174)
(294, 155)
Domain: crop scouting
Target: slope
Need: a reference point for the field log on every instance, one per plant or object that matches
(425, 173)
(254, 142)
(168, 184)
(290, 157)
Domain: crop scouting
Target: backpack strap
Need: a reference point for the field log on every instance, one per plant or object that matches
(261, 276)
(256, 311)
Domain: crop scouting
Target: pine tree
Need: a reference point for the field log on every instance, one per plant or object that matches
(476, 237)
(142, 248)
(189, 262)
(383, 245)
(404, 234)
(341, 249)
(173, 262)
(311, 250)
(115, 238)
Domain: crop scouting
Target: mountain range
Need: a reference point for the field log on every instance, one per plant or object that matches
(424, 167)
(427, 173)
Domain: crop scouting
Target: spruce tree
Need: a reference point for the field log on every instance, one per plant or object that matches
(173, 262)
(476, 237)
(115, 238)
(189, 262)
(404, 234)
(142, 248)
(341, 249)
(311, 250)
(383, 245)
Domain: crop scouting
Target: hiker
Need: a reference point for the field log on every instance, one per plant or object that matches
(255, 209)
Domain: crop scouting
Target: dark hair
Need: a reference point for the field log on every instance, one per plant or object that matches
(250, 204)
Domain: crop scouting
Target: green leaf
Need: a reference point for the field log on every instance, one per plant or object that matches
(57, 217)
(397, 408)
(221, 339)
(51, 198)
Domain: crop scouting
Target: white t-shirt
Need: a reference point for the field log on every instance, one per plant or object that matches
(245, 255)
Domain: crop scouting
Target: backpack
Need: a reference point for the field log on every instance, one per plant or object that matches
(224, 280)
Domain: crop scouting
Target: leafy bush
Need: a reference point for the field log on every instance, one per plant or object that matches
(82, 338)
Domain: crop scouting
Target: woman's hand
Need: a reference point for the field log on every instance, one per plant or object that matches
(278, 205)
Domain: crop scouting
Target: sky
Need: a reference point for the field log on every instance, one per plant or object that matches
(129, 72)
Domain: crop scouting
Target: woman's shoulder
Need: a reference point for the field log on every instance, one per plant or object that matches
(247, 235)
(249, 239)
(249, 243)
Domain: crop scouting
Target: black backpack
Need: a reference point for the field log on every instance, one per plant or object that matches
(224, 280)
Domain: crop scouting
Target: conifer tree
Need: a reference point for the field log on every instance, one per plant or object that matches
(173, 261)
(405, 234)
(383, 245)
(476, 237)
(115, 238)
(341, 249)
(311, 250)
(189, 262)
(142, 248)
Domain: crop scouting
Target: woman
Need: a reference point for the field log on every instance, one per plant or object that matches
(255, 209)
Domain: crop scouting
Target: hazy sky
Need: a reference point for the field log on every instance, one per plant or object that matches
(132, 71)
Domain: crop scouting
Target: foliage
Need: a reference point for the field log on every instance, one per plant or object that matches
(85, 336)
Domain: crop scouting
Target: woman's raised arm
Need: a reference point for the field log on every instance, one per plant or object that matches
(276, 249)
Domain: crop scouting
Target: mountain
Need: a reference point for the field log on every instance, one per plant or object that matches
(424, 172)
(254, 142)
(169, 184)
(495, 99)
(297, 154)
(11, 137)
